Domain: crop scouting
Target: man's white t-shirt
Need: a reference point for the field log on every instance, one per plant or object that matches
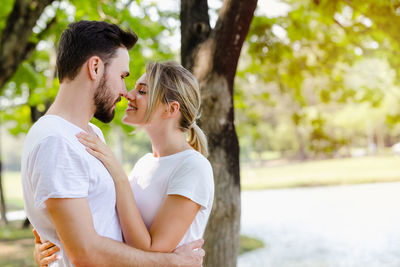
(56, 165)
(187, 173)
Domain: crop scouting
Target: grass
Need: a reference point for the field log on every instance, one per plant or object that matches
(248, 244)
(16, 246)
(322, 173)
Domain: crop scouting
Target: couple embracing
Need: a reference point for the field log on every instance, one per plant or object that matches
(85, 210)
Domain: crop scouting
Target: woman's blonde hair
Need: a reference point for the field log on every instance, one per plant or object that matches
(168, 82)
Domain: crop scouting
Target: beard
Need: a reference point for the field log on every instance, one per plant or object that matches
(104, 102)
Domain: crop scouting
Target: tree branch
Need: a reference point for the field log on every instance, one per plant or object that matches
(15, 44)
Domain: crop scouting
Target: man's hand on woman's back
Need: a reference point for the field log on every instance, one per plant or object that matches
(190, 254)
(44, 253)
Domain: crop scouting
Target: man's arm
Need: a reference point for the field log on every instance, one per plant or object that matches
(74, 226)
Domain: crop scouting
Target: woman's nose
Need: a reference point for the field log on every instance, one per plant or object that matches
(131, 95)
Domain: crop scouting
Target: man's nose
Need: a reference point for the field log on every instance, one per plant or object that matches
(123, 92)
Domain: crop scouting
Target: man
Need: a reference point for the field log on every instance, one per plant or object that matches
(69, 196)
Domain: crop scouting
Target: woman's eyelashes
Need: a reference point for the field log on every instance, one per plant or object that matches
(142, 92)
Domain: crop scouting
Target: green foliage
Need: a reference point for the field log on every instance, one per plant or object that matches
(320, 62)
(13, 232)
(248, 244)
(6, 6)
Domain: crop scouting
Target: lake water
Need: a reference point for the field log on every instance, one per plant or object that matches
(352, 226)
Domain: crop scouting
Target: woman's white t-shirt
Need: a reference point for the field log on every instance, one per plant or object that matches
(187, 173)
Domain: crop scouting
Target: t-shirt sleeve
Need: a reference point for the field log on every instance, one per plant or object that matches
(194, 180)
(57, 171)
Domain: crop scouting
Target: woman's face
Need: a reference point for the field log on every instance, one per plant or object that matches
(137, 105)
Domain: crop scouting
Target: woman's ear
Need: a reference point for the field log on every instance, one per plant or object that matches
(95, 68)
(172, 109)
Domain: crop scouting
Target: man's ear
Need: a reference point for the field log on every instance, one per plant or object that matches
(172, 109)
(95, 68)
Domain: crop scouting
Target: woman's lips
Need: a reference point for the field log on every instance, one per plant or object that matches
(130, 107)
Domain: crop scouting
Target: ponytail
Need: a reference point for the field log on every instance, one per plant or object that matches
(198, 140)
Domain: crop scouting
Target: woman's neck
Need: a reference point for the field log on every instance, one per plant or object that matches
(167, 140)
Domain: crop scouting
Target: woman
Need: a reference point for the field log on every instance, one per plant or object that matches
(167, 199)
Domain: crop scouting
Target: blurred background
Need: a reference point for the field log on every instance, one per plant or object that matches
(316, 112)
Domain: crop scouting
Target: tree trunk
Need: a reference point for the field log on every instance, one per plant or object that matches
(2, 200)
(302, 150)
(15, 44)
(3, 208)
(212, 55)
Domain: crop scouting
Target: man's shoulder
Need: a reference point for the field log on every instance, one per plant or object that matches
(43, 129)
(50, 131)
(47, 124)
(97, 130)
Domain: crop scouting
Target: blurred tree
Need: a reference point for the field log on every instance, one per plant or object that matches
(212, 55)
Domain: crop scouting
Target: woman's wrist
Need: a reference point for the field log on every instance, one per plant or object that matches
(116, 170)
(120, 177)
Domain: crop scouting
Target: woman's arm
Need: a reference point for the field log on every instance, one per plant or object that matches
(172, 221)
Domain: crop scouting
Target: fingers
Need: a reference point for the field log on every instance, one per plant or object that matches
(46, 261)
(96, 154)
(37, 237)
(196, 244)
(85, 135)
(91, 141)
(49, 252)
(201, 252)
(88, 143)
(191, 254)
(88, 137)
(93, 145)
(199, 255)
(45, 245)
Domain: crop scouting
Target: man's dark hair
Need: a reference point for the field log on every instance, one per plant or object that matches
(84, 39)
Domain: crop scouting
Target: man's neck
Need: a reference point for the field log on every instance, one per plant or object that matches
(74, 104)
